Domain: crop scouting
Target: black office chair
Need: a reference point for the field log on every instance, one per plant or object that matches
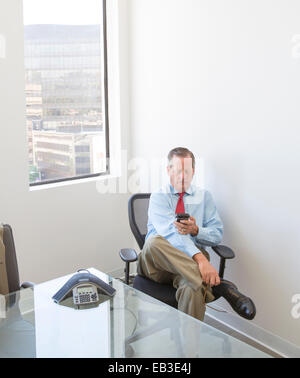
(11, 261)
(15, 330)
(138, 216)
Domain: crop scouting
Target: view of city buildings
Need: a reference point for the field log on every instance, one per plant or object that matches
(65, 108)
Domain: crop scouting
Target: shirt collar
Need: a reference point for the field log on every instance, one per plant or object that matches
(189, 191)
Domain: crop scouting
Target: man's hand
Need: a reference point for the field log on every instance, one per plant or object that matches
(186, 227)
(208, 272)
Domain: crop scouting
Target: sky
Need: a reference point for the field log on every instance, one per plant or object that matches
(65, 12)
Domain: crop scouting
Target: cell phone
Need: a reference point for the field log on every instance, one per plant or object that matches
(182, 216)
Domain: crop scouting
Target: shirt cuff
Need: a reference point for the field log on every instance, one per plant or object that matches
(192, 248)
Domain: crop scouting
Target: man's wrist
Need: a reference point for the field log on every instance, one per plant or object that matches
(199, 258)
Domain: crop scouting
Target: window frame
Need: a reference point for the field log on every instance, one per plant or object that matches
(106, 107)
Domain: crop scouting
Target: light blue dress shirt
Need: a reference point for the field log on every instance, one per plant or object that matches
(197, 203)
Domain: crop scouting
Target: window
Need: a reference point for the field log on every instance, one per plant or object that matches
(66, 89)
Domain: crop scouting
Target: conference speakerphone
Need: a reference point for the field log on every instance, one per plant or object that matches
(85, 288)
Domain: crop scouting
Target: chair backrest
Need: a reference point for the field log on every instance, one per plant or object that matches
(11, 259)
(138, 216)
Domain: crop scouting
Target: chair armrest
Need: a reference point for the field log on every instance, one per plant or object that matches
(224, 252)
(26, 285)
(128, 255)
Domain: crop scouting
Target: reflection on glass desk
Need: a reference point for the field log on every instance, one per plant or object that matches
(131, 324)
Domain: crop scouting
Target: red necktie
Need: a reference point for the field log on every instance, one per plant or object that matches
(180, 204)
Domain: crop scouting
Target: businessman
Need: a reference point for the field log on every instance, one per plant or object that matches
(170, 254)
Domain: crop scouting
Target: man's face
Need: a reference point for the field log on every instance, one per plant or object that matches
(181, 172)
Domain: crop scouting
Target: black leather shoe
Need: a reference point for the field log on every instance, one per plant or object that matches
(241, 304)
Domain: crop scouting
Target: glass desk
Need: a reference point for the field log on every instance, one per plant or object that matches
(131, 324)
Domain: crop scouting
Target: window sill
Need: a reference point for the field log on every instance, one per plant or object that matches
(71, 182)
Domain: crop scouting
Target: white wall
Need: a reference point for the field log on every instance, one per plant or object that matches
(216, 76)
(219, 77)
(61, 229)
